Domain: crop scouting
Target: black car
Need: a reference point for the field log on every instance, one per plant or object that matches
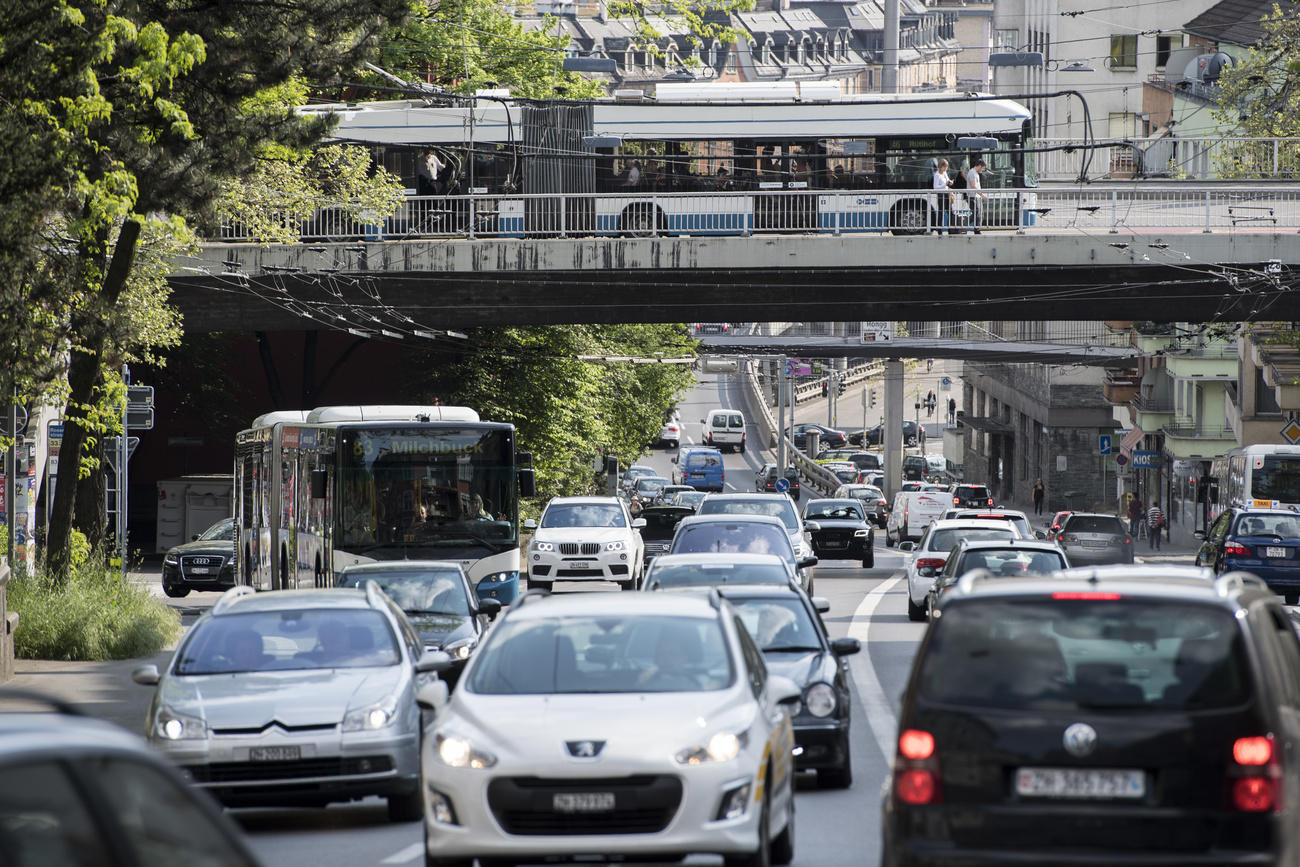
(829, 437)
(1120, 715)
(765, 481)
(789, 631)
(207, 562)
(971, 497)
(438, 600)
(660, 524)
(873, 436)
(1263, 542)
(843, 531)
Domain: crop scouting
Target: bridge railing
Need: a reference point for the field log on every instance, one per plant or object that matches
(1181, 158)
(1209, 208)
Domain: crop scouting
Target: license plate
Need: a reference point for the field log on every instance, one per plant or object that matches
(274, 754)
(582, 565)
(199, 570)
(1079, 783)
(1276, 553)
(582, 802)
(1088, 544)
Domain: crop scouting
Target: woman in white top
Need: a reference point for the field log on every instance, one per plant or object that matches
(941, 182)
(977, 198)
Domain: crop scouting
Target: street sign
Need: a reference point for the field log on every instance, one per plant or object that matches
(1291, 432)
(783, 485)
(139, 417)
(111, 446)
(1121, 459)
(945, 384)
(139, 395)
(877, 332)
(1145, 460)
(797, 367)
(1103, 444)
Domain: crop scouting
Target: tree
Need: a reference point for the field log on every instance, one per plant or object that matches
(1259, 96)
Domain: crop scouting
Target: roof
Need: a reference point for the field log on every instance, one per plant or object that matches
(664, 603)
(1002, 544)
(595, 501)
(289, 600)
(729, 518)
(747, 495)
(734, 559)
(1121, 572)
(24, 735)
(1232, 21)
(1148, 582)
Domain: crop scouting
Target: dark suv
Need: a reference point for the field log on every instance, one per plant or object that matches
(1124, 715)
(971, 497)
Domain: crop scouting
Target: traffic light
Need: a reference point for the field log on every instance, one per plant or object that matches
(839, 387)
(873, 396)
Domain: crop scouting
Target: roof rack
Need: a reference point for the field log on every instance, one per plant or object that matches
(228, 598)
(1230, 581)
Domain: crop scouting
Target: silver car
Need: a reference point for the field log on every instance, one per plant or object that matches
(297, 697)
(774, 505)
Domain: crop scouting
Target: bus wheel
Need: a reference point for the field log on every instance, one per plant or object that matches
(909, 218)
(642, 221)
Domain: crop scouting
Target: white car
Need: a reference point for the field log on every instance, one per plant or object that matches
(931, 554)
(592, 725)
(913, 511)
(670, 434)
(585, 539)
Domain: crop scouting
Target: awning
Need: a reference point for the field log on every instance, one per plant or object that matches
(987, 424)
(1131, 441)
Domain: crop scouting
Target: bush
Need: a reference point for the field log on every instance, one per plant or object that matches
(94, 615)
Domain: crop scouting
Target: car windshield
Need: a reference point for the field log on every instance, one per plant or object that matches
(635, 472)
(839, 510)
(727, 537)
(972, 492)
(709, 574)
(1095, 524)
(1010, 562)
(689, 498)
(778, 625)
(703, 459)
(1051, 654)
(651, 484)
(620, 653)
(222, 531)
(768, 505)
(310, 639)
(943, 540)
(583, 515)
(1285, 526)
(1278, 479)
(660, 523)
(419, 591)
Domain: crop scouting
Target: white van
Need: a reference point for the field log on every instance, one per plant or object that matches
(913, 511)
(724, 429)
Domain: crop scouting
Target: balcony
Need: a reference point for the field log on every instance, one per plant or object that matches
(1198, 441)
(1121, 386)
(1216, 361)
(1151, 412)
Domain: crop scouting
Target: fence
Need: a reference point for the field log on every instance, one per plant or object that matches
(1170, 157)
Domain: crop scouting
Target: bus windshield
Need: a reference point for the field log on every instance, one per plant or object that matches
(1278, 479)
(403, 488)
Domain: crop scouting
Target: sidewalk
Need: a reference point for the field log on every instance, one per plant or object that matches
(1180, 546)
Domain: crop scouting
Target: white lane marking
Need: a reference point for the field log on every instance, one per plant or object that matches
(880, 714)
(410, 853)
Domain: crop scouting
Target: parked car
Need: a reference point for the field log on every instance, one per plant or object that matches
(1002, 558)
(827, 437)
(713, 328)
(932, 555)
(860, 459)
(873, 500)
(78, 791)
(873, 436)
(1091, 539)
(1035, 730)
(765, 480)
(264, 681)
(585, 539)
(206, 562)
(1263, 542)
(438, 601)
(843, 531)
(971, 497)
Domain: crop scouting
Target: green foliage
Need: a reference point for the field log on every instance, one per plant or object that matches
(699, 20)
(93, 615)
(466, 45)
(1259, 97)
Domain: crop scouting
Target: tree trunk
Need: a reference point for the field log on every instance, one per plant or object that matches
(83, 373)
(88, 514)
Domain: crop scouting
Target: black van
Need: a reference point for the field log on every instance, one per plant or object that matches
(914, 468)
(1114, 715)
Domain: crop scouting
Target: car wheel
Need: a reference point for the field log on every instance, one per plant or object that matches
(761, 857)
(406, 808)
(672, 444)
(910, 441)
(837, 778)
(783, 845)
(175, 591)
(915, 613)
(889, 540)
(1291, 598)
(869, 561)
(629, 584)
(742, 448)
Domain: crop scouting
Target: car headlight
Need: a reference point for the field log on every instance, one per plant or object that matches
(371, 717)
(502, 577)
(171, 559)
(458, 752)
(461, 649)
(172, 726)
(722, 747)
(615, 546)
(860, 534)
(820, 700)
(543, 546)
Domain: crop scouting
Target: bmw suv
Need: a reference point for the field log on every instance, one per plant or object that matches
(1122, 715)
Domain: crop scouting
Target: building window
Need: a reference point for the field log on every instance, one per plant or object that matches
(1164, 47)
(1124, 51)
(1006, 40)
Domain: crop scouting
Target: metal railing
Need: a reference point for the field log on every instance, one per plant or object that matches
(811, 472)
(1171, 157)
(811, 212)
(1195, 431)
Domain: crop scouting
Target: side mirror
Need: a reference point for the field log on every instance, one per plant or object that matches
(812, 526)
(432, 696)
(638, 523)
(433, 660)
(926, 571)
(490, 607)
(807, 562)
(319, 484)
(1039, 534)
(822, 604)
(146, 675)
(845, 646)
(783, 690)
(701, 421)
(527, 482)
(1200, 534)
(194, 538)
(530, 524)
(907, 547)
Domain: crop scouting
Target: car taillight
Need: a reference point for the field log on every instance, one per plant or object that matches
(1128, 541)
(1069, 537)
(881, 503)
(956, 501)
(1236, 550)
(990, 501)
(1254, 776)
(936, 562)
(916, 769)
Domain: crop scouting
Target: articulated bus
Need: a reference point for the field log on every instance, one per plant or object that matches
(1261, 476)
(710, 159)
(323, 489)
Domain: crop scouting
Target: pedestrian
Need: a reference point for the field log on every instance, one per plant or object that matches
(977, 197)
(1136, 513)
(952, 412)
(943, 200)
(1040, 493)
(424, 176)
(633, 174)
(1155, 523)
(920, 437)
(930, 401)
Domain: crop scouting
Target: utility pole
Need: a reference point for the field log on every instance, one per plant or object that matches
(892, 426)
(889, 73)
(780, 414)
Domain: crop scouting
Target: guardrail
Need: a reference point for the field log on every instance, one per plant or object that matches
(808, 212)
(855, 373)
(1171, 157)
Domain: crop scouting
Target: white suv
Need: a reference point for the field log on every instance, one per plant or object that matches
(586, 539)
